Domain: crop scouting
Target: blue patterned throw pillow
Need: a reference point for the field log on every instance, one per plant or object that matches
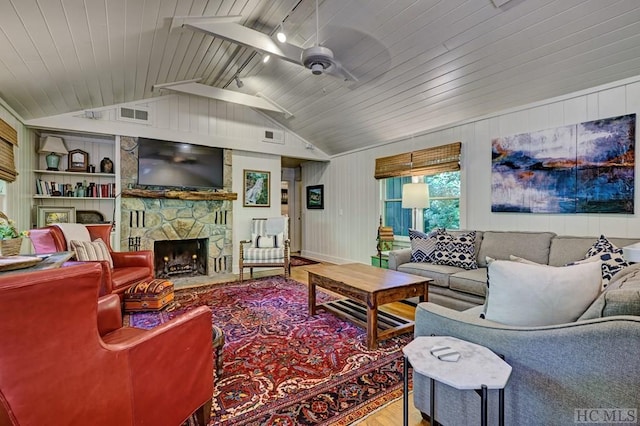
(458, 250)
(611, 257)
(422, 245)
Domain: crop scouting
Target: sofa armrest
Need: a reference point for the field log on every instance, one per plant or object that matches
(124, 259)
(398, 257)
(556, 369)
(109, 314)
(175, 355)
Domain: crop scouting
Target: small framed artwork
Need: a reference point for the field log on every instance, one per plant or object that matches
(50, 215)
(256, 188)
(78, 161)
(315, 197)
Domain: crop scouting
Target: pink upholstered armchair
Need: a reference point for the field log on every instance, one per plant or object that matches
(128, 267)
(66, 358)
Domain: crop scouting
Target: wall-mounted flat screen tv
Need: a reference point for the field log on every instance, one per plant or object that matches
(181, 165)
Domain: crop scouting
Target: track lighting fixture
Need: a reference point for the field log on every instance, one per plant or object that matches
(281, 36)
(239, 82)
(265, 58)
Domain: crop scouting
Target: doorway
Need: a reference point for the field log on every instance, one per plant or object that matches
(290, 204)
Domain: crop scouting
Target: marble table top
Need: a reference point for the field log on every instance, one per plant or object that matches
(476, 366)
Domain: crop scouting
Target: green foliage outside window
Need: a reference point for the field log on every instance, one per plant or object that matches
(444, 210)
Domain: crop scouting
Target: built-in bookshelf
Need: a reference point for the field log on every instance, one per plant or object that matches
(86, 192)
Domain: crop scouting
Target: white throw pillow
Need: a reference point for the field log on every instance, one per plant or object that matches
(524, 294)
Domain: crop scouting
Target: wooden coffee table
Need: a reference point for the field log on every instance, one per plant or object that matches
(367, 287)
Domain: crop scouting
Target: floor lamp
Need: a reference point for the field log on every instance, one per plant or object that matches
(415, 196)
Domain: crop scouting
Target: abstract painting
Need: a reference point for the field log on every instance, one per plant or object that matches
(583, 168)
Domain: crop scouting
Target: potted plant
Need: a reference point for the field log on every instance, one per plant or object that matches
(10, 238)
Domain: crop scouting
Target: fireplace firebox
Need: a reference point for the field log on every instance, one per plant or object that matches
(180, 257)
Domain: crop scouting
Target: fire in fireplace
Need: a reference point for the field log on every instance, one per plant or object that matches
(180, 257)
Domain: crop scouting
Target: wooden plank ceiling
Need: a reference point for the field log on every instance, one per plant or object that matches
(421, 64)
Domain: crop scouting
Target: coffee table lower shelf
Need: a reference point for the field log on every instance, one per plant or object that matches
(389, 325)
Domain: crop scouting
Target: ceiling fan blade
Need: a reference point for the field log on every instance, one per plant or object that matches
(337, 70)
(239, 34)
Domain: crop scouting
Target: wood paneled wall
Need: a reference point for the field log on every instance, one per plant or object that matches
(345, 230)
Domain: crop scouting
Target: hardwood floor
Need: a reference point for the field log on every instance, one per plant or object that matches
(391, 415)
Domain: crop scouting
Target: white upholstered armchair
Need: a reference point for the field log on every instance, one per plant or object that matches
(268, 246)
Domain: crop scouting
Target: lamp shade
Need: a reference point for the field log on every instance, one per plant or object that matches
(53, 144)
(415, 196)
(632, 253)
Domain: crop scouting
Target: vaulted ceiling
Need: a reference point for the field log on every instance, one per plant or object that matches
(420, 64)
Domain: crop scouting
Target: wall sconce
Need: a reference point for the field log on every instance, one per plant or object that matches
(55, 147)
(415, 196)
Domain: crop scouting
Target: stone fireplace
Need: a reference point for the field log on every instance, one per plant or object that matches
(176, 221)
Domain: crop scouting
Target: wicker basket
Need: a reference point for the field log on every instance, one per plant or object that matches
(9, 247)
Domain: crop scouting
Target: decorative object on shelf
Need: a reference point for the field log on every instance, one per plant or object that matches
(106, 165)
(78, 161)
(256, 188)
(92, 168)
(48, 215)
(55, 148)
(10, 238)
(89, 217)
(315, 197)
(415, 196)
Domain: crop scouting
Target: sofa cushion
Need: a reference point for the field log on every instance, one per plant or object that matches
(524, 294)
(473, 281)
(500, 245)
(458, 250)
(422, 245)
(621, 297)
(91, 250)
(439, 273)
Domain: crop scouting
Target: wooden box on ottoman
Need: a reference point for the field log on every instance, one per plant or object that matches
(151, 295)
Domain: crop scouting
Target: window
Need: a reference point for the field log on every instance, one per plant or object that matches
(444, 209)
(439, 168)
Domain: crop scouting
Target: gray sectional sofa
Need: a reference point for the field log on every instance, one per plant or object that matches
(462, 289)
(560, 373)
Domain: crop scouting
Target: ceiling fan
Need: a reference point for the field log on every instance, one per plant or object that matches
(319, 59)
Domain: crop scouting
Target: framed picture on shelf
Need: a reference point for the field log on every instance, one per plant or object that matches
(315, 197)
(256, 188)
(78, 161)
(48, 215)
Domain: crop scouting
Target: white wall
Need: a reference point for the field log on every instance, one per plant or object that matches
(345, 230)
(242, 215)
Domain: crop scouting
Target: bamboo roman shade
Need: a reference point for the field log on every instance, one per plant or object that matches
(430, 161)
(8, 138)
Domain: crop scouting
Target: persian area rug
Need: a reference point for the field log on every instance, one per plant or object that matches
(282, 366)
(301, 261)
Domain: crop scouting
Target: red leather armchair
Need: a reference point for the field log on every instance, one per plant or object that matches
(128, 267)
(66, 359)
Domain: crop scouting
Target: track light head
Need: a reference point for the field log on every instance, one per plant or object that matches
(239, 82)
